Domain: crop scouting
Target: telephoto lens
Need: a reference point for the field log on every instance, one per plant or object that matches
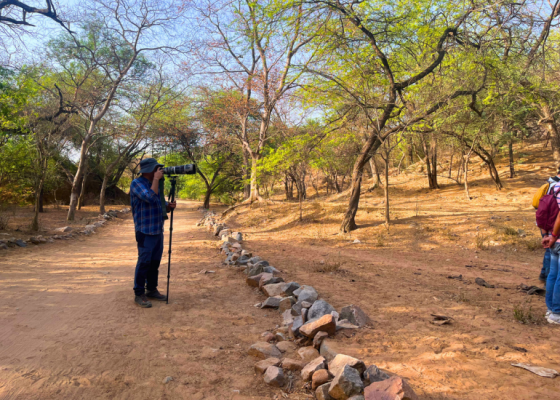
(180, 170)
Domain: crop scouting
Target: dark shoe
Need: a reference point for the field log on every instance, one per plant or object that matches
(542, 278)
(156, 295)
(143, 301)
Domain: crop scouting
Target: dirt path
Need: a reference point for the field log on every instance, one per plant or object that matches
(69, 328)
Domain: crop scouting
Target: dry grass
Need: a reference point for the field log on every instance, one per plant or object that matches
(329, 265)
(524, 313)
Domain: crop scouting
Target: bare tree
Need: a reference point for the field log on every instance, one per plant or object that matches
(109, 52)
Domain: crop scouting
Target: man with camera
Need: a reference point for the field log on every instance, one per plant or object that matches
(147, 212)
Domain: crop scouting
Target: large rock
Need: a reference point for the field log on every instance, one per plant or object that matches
(308, 294)
(269, 279)
(264, 350)
(287, 346)
(255, 270)
(308, 354)
(310, 368)
(274, 376)
(320, 378)
(346, 383)
(271, 302)
(319, 308)
(217, 229)
(324, 324)
(394, 388)
(293, 365)
(327, 349)
(373, 374)
(255, 279)
(280, 289)
(338, 363)
(263, 263)
(271, 270)
(355, 315)
(322, 392)
(261, 366)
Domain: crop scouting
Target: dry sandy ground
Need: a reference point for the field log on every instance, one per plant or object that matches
(70, 329)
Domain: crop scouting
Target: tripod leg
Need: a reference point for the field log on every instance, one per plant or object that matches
(171, 199)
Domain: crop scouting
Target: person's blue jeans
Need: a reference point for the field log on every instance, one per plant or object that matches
(150, 250)
(545, 263)
(553, 281)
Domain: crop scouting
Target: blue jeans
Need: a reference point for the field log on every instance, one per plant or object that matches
(150, 250)
(553, 281)
(545, 265)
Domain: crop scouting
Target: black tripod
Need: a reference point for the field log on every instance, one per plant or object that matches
(173, 180)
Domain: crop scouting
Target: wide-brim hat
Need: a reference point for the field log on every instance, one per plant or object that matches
(149, 165)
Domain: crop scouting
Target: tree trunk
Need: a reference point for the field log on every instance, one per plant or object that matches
(375, 173)
(83, 190)
(254, 194)
(79, 175)
(553, 130)
(41, 198)
(466, 168)
(433, 157)
(207, 196)
(386, 189)
(368, 149)
(511, 166)
(102, 194)
(301, 194)
(38, 200)
(247, 173)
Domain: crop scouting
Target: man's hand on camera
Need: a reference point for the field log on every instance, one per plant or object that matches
(171, 206)
(158, 174)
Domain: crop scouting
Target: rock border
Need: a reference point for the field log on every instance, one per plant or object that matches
(67, 232)
(308, 322)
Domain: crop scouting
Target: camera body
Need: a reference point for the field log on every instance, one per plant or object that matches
(187, 169)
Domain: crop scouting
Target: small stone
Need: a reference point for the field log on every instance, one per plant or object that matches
(319, 308)
(262, 366)
(308, 354)
(296, 325)
(292, 365)
(318, 339)
(327, 350)
(288, 318)
(263, 263)
(228, 239)
(310, 368)
(268, 337)
(346, 383)
(217, 229)
(255, 259)
(246, 253)
(392, 388)
(3, 246)
(320, 378)
(286, 303)
(274, 376)
(324, 324)
(322, 392)
(264, 350)
(21, 243)
(287, 346)
(64, 229)
(355, 315)
(167, 379)
(296, 309)
(356, 241)
(356, 397)
(344, 324)
(373, 374)
(341, 360)
(271, 302)
(306, 304)
(281, 336)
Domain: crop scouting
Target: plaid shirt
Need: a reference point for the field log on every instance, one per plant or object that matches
(146, 207)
